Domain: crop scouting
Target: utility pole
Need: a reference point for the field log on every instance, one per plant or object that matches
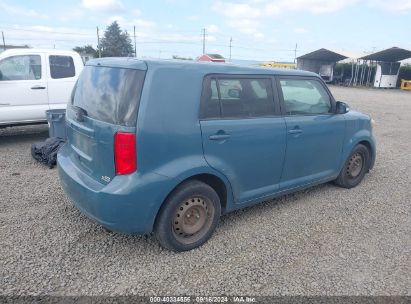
(204, 36)
(135, 45)
(98, 44)
(295, 53)
(231, 40)
(4, 43)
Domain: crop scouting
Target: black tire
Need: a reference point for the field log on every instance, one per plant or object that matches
(188, 217)
(355, 167)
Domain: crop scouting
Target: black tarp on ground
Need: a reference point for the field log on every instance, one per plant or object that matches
(46, 151)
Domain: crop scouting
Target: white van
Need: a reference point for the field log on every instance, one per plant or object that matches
(33, 81)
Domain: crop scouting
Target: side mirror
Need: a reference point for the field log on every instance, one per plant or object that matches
(342, 107)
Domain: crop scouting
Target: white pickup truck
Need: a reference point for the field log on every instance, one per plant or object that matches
(33, 81)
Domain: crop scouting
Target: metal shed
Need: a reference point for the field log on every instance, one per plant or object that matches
(388, 66)
(321, 61)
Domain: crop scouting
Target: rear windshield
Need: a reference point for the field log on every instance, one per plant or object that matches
(109, 94)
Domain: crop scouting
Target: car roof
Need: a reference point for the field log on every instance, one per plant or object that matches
(36, 51)
(206, 67)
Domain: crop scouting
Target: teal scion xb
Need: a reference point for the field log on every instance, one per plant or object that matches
(169, 146)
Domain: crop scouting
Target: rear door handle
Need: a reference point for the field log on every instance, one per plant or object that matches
(295, 131)
(38, 88)
(219, 136)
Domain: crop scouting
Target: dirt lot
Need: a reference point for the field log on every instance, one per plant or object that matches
(322, 241)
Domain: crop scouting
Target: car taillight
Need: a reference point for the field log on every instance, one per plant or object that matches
(125, 155)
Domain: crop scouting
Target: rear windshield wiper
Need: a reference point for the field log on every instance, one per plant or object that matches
(80, 113)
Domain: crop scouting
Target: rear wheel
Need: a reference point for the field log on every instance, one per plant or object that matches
(188, 217)
(355, 167)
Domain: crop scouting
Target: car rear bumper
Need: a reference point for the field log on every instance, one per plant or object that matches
(127, 204)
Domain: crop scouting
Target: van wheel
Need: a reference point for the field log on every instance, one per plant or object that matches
(355, 167)
(189, 216)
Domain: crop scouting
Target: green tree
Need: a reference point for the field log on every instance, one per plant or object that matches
(116, 43)
(87, 49)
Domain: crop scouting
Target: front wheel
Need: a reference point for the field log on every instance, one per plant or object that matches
(357, 164)
(189, 216)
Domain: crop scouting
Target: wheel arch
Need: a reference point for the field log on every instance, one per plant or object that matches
(363, 137)
(214, 181)
(371, 149)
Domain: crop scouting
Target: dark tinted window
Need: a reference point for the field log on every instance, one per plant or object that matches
(109, 94)
(24, 67)
(211, 103)
(305, 97)
(61, 67)
(238, 98)
(390, 68)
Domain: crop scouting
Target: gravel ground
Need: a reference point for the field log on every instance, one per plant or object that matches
(322, 241)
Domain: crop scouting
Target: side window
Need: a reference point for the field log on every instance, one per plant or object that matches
(61, 67)
(210, 105)
(230, 89)
(246, 97)
(214, 91)
(24, 67)
(259, 89)
(225, 97)
(305, 97)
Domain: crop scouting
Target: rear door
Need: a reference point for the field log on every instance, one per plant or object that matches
(243, 133)
(23, 88)
(105, 101)
(314, 133)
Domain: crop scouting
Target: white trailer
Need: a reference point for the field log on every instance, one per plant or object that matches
(388, 66)
(386, 75)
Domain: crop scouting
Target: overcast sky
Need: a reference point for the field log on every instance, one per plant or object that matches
(260, 29)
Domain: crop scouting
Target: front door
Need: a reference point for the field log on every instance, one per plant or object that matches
(243, 135)
(23, 89)
(314, 133)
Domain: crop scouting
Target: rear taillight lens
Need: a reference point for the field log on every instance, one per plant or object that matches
(125, 155)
